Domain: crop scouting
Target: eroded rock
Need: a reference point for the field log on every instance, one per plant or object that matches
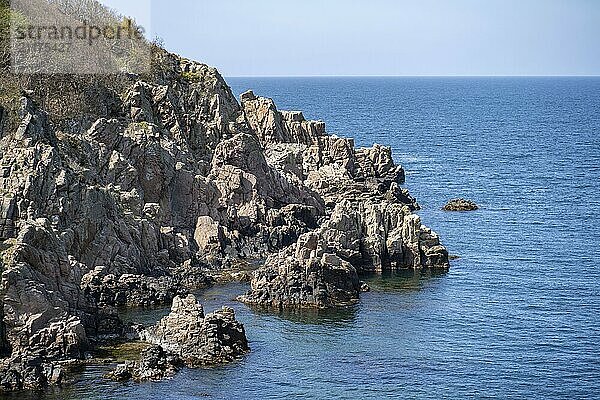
(196, 338)
(369, 225)
(320, 270)
(302, 276)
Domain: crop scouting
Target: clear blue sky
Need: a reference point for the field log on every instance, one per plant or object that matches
(380, 37)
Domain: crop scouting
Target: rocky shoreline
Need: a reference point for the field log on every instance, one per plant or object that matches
(139, 190)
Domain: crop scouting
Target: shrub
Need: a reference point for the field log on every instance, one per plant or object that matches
(191, 77)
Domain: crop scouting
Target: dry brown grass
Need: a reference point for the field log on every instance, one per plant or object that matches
(71, 99)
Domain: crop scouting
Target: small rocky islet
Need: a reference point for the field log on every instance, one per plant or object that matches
(185, 337)
(139, 190)
(460, 205)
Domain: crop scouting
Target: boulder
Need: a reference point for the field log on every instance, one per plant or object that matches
(460, 205)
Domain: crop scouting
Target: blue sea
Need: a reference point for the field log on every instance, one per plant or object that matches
(517, 316)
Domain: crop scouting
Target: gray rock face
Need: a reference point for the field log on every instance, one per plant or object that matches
(303, 276)
(273, 126)
(31, 371)
(124, 194)
(368, 223)
(106, 289)
(42, 323)
(7, 213)
(319, 270)
(196, 338)
(460, 205)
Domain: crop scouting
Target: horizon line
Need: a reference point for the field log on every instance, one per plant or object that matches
(412, 76)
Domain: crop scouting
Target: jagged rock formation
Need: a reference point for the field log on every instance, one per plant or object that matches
(135, 196)
(460, 205)
(104, 213)
(368, 224)
(319, 270)
(120, 193)
(304, 275)
(186, 337)
(328, 165)
(141, 290)
(196, 338)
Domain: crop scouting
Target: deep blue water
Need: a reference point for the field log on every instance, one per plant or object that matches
(518, 315)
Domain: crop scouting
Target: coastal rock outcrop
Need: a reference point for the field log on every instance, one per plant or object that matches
(102, 212)
(196, 338)
(320, 270)
(185, 337)
(304, 275)
(134, 190)
(460, 205)
(368, 224)
(31, 371)
(136, 290)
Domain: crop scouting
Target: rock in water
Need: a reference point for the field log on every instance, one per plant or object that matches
(318, 271)
(303, 276)
(154, 364)
(196, 338)
(368, 223)
(460, 205)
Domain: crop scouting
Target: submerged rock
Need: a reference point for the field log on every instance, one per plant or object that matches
(460, 205)
(154, 364)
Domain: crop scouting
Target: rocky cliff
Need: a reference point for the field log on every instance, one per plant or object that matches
(132, 190)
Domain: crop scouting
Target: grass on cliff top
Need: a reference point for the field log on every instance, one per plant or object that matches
(71, 98)
(9, 90)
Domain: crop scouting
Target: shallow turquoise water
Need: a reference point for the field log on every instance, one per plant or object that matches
(518, 315)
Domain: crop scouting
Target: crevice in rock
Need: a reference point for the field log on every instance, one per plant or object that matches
(5, 349)
(2, 120)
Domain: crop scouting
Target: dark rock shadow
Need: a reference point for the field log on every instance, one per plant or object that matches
(402, 280)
